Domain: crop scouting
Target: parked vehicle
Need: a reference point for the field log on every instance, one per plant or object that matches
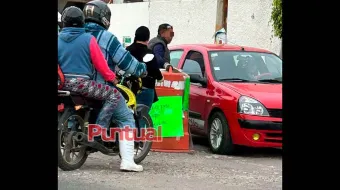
(76, 112)
(235, 94)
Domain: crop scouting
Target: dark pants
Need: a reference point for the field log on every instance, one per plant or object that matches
(146, 97)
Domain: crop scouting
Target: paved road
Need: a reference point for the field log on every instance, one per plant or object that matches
(250, 170)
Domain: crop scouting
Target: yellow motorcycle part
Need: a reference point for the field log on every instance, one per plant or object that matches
(131, 98)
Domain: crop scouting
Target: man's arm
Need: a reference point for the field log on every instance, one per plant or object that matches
(159, 52)
(124, 60)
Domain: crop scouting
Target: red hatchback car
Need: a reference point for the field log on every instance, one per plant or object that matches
(235, 94)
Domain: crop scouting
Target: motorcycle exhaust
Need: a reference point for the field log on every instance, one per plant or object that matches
(82, 138)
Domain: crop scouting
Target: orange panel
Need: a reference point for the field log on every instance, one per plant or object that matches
(167, 88)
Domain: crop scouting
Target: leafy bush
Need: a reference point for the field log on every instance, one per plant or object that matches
(276, 18)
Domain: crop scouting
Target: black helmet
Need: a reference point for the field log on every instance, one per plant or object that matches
(73, 17)
(98, 12)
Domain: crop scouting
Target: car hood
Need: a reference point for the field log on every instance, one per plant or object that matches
(270, 95)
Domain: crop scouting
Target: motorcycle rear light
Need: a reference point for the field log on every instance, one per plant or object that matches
(60, 107)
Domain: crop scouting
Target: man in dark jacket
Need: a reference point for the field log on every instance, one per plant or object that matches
(139, 49)
(159, 45)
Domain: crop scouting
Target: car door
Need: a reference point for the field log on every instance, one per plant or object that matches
(194, 64)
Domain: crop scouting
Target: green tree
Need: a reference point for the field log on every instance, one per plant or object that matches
(276, 18)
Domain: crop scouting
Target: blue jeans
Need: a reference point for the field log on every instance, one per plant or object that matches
(145, 97)
(122, 115)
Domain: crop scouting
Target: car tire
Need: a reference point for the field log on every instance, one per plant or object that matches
(225, 146)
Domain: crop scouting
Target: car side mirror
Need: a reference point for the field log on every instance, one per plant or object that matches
(196, 78)
(148, 57)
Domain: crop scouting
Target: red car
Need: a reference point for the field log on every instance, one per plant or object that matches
(235, 94)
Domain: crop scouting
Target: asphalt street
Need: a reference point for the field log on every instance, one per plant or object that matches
(252, 169)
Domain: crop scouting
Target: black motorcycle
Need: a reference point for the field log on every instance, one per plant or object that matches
(76, 112)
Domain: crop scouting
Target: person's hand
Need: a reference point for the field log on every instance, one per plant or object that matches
(175, 70)
(115, 81)
(168, 66)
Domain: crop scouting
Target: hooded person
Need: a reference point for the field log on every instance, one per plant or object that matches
(79, 56)
(139, 49)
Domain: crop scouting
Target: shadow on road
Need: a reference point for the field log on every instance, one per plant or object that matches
(202, 144)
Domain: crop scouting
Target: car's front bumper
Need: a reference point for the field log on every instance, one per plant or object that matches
(269, 132)
(256, 131)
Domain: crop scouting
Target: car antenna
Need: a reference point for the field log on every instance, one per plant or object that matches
(242, 48)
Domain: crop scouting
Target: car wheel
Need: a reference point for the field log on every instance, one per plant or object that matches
(219, 135)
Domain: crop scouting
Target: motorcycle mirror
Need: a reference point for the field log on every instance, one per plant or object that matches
(121, 72)
(148, 57)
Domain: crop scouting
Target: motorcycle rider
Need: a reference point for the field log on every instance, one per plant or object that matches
(79, 56)
(97, 21)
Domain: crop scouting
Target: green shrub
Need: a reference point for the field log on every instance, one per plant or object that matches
(276, 18)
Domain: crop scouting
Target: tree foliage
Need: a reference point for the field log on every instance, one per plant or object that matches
(276, 18)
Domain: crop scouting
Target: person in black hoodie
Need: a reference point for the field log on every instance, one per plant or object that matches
(139, 49)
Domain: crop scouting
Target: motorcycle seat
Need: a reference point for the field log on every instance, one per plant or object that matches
(69, 93)
(75, 94)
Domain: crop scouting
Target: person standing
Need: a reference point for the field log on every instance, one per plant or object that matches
(159, 45)
(139, 49)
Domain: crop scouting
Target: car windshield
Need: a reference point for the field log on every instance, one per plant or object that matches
(242, 66)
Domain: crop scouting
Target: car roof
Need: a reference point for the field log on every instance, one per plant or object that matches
(218, 47)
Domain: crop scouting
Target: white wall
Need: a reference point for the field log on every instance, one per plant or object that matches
(193, 20)
(127, 17)
(242, 29)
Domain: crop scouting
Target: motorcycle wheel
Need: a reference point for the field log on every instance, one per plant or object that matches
(67, 144)
(141, 154)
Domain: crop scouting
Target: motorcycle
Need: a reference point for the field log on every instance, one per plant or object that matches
(75, 112)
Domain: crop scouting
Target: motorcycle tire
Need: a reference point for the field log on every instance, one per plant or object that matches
(62, 163)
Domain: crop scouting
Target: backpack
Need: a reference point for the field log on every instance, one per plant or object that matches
(61, 78)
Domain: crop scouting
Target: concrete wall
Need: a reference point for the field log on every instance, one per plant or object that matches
(194, 21)
(248, 24)
(127, 17)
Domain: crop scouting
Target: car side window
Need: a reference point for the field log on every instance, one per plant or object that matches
(192, 67)
(175, 56)
(194, 64)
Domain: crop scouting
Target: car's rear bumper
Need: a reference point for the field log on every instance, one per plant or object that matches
(245, 128)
